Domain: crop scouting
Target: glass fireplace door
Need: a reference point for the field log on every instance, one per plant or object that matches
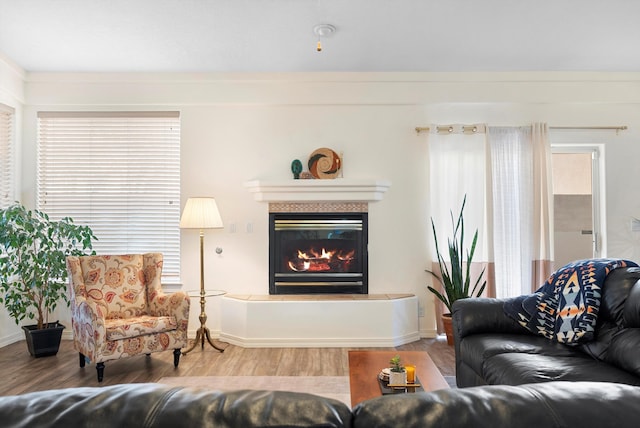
(318, 253)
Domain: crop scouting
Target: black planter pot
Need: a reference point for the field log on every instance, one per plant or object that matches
(44, 342)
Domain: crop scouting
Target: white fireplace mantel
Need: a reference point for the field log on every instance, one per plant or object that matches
(339, 189)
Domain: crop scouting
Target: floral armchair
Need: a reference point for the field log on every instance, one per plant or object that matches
(119, 310)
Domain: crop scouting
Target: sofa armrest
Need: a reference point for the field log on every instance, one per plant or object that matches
(482, 315)
(162, 406)
(474, 316)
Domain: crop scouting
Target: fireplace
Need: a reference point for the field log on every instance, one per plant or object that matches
(312, 253)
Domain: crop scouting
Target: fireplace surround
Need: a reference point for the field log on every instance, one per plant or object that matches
(318, 253)
(298, 320)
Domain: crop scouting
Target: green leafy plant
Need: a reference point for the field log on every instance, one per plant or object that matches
(396, 364)
(456, 281)
(33, 251)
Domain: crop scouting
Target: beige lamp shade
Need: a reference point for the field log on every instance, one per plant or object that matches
(201, 213)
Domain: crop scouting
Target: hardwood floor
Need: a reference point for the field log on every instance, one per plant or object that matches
(21, 373)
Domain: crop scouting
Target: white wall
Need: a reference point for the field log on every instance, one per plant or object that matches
(241, 127)
(12, 95)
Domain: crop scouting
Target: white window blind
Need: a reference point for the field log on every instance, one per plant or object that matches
(7, 161)
(119, 173)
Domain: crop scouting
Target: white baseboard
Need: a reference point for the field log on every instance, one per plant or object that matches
(11, 338)
(428, 333)
(17, 337)
(314, 342)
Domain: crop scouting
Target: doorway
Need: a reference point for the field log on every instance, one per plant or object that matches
(577, 204)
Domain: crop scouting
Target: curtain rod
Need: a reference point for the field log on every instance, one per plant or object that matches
(471, 129)
(448, 129)
(578, 128)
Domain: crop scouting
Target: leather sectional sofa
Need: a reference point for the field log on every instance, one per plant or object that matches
(514, 379)
(552, 404)
(491, 348)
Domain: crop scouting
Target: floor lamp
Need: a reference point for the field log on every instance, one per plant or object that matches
(201, 213)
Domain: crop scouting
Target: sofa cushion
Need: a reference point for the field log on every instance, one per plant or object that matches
(517, 369)
(558, 404)
(477, 348)
(620, 308)
(631, 312)
(623, 351)
(616, 292)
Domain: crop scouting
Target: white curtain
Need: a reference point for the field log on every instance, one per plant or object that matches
(505, 174)
(457, 168)
(542, 262)
(522, 207)
(511, 156)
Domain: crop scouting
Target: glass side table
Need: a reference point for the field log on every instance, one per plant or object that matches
(203, 331)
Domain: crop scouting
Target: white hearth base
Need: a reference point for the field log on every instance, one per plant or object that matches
(291, 321)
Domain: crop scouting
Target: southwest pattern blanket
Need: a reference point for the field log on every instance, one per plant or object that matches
(566, 307)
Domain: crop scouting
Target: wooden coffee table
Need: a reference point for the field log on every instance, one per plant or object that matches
(364, 367)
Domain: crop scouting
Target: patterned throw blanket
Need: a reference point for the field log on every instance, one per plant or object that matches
(566, 307)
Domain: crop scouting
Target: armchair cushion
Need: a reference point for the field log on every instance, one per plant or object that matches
(122, 328)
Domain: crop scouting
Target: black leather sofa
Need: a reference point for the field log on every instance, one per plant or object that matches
(553, 404)
(491, 348)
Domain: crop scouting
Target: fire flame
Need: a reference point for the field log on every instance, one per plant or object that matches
(322, 261)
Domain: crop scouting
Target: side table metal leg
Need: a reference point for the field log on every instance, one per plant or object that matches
(206, 332)
(199, 338)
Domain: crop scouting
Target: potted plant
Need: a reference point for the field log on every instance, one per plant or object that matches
(397, 374)
(456, 281)
(33, 251)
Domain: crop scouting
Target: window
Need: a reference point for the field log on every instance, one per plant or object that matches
(7, 161)
(578, 201)
(118, 172)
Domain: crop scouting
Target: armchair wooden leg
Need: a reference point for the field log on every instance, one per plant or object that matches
(100, 370)
(176, 357)
(82, 359)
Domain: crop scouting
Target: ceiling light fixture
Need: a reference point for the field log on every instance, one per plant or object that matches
(323, 30)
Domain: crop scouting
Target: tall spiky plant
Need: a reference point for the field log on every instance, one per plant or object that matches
(456, 282)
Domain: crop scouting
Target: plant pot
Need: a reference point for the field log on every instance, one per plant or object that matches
(44, 342)
(447, 323)
(397, 378)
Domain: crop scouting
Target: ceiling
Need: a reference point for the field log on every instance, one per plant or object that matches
(277, 35)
